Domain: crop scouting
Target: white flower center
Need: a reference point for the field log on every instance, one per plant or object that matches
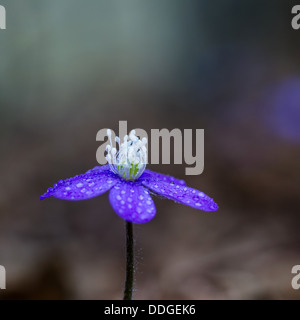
(129, 161)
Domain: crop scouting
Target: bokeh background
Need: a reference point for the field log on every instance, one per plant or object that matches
(70, 68)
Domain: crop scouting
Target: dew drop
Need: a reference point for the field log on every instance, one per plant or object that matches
(129, 200)
(149, 202)
(79, 185)
(141, 197)
(123, 191)
(198, 204)
(83, 190)
(91, 184)
(119, 197)
(68, 188)
(129, 206)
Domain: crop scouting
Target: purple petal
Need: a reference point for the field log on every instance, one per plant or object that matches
(189, 196)
(150, 175)
(84, 186)
(132, 202)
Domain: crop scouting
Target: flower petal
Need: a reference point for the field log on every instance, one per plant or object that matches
(132, 202)
(150, 175)
(84, 186)
(188, 196)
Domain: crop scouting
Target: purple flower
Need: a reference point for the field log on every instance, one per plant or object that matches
(130, 184)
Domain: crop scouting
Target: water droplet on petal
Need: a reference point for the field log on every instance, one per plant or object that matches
(83, 190)
(119, 197)
(198, 204)
(141, 197)
(132, 190)
(129, 206)
(79, 185)
(123, 191)
(129, 200)
(138, 210)
(68, 188)
(91, 184)
(149, 202)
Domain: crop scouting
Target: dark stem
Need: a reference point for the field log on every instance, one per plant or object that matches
(129, 262)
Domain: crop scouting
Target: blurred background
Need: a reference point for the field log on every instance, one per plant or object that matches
(70, 68)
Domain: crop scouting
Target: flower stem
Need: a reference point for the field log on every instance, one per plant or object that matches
(129, 262)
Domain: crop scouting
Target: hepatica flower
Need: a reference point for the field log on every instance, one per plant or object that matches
(129, 183)
(130, 186)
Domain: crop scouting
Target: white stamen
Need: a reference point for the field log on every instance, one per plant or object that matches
(129, 159)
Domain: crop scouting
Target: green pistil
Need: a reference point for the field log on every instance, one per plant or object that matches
(134, 168)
